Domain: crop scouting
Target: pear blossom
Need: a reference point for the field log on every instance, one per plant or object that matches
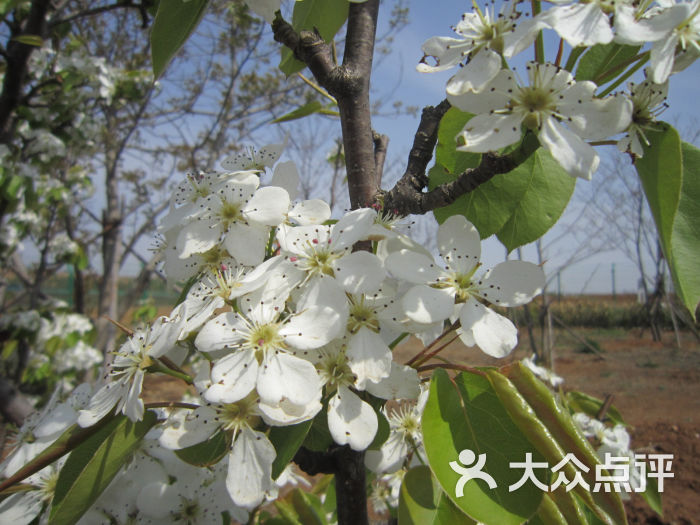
(483, 37)
(543, 373)
(125, 377)
(674, 30)
(648, 100)
(248, 479)
(581, 23)
(267, 156)
(22, 508)
(240, 212)
(437, 291)
(551, 99)
(405, 436)
(261, 345)
(319, 250)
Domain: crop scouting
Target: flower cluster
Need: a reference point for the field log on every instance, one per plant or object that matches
(284, 319)
(564, 114)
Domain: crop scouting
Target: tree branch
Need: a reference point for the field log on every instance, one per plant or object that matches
(407, 196)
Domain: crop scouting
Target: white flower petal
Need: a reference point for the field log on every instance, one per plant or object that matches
(220, 332)
(286, 413)
(414, 267)
(476, 74)
(249, 478)
(390, 456)
(368, 356)
(493, 96)
(512, 283)
(21, 508)
(662, 58)
(579, 24)
(284, 376)
(198, 236)
(268, 206)
(402, 383)
(568, 149)
(314, 211)
(459, 244)
(158, 499)
(188, 428)
(233, 377)
(447, 51)
(351, 421)
(312, 328)
(247, 242)
(103, 402)
(359, 272)
(286, 176)
(494, 334)
(489, 132)
(352, 227)
(426, 305)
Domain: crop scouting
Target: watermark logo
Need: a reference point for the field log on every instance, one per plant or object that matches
(614, 474)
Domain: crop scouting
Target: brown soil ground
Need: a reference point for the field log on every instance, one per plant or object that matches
(656, 387)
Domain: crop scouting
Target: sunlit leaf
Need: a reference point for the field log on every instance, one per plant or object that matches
(603, 62)
(206, 453)
(172, 26)
(326, 16)
(467, 414)
(92, 466)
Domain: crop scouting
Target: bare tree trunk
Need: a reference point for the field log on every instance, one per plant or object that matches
(108, 302)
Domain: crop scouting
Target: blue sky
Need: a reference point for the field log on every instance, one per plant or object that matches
(397, 78)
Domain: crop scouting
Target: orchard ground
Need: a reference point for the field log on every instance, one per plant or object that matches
(655, 386)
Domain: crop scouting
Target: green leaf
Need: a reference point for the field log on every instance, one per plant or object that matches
(604, 62)
(304, 111)
(548, 513)
(92, 466)
(309, 507)
(206, 453)
(652, 495)
(467, 414)
(449, 514)
(327, 16)
(547, 189)
(560, 429)
(173, 24)
(287, 441)
(671, 180)
(446, 154)
(685, 248)
(661, 173)
(418, 498)
(319, 437)
(30, 40)
(580, 402)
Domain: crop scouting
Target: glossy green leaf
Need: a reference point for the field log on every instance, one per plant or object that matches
(308, 507)
(548, 513)
(287, 441)
(207, 453)
(661, 173)
(652, 495)
(327, 16)
(569, 505)
(319, 437)
(467, 414)
(603, 62)
(447, 513)
(418, 498)
(172, 26)
(92, 466)
(669, 174)
(304, 111)
(446, 154)
(563, 430)
(580, 402)
(685, 248)
(546, 190)
(30, 40)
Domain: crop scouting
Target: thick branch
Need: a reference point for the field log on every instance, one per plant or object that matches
(16, 65)
(381, 144)
(407, 196)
